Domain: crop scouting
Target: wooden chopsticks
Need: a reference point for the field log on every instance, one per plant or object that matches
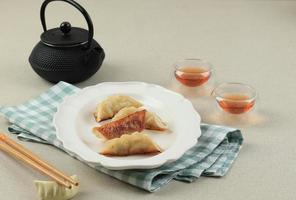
(20, 152)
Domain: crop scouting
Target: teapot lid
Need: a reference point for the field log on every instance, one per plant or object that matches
(65, 36)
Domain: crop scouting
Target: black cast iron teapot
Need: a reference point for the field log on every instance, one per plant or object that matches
(66, 53)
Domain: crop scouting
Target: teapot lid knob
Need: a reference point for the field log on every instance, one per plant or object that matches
(66, 35)
(65, 27)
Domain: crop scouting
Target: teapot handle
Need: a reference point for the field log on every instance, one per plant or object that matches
(80, 8)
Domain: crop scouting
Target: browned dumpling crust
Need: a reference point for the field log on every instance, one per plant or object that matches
(152, 121)
(115, 129)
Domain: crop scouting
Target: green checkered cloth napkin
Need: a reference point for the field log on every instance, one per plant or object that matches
(213, 155)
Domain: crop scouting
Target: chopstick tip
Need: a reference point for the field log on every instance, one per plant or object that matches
(2, 136)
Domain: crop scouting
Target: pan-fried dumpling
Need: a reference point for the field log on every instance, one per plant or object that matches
(136, 143)
(50, 190)
(152, 121)
(110, 106)
(114, 129)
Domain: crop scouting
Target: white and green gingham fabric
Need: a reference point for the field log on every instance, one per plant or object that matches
(213, 155)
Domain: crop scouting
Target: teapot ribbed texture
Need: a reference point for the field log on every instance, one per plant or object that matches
(72, 64)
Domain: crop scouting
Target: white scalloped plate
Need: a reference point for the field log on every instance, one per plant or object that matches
(74, 122)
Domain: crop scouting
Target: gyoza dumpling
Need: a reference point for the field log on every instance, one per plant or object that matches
(152, 121)
(129, 124)
(110, 106)
(136, 143)
(50, 190)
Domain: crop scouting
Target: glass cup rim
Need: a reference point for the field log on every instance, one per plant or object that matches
(209, 65)
(253, 91)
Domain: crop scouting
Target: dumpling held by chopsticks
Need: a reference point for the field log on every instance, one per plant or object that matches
(50, 190)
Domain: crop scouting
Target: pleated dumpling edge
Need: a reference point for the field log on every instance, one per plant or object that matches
(50, 190)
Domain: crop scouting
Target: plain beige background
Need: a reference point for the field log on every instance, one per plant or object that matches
(247, 41)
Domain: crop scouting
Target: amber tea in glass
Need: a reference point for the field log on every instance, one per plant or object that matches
(192, 72)
(235, 98)
(236, 103)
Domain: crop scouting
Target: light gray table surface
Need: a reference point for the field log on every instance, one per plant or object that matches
(246, 41)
